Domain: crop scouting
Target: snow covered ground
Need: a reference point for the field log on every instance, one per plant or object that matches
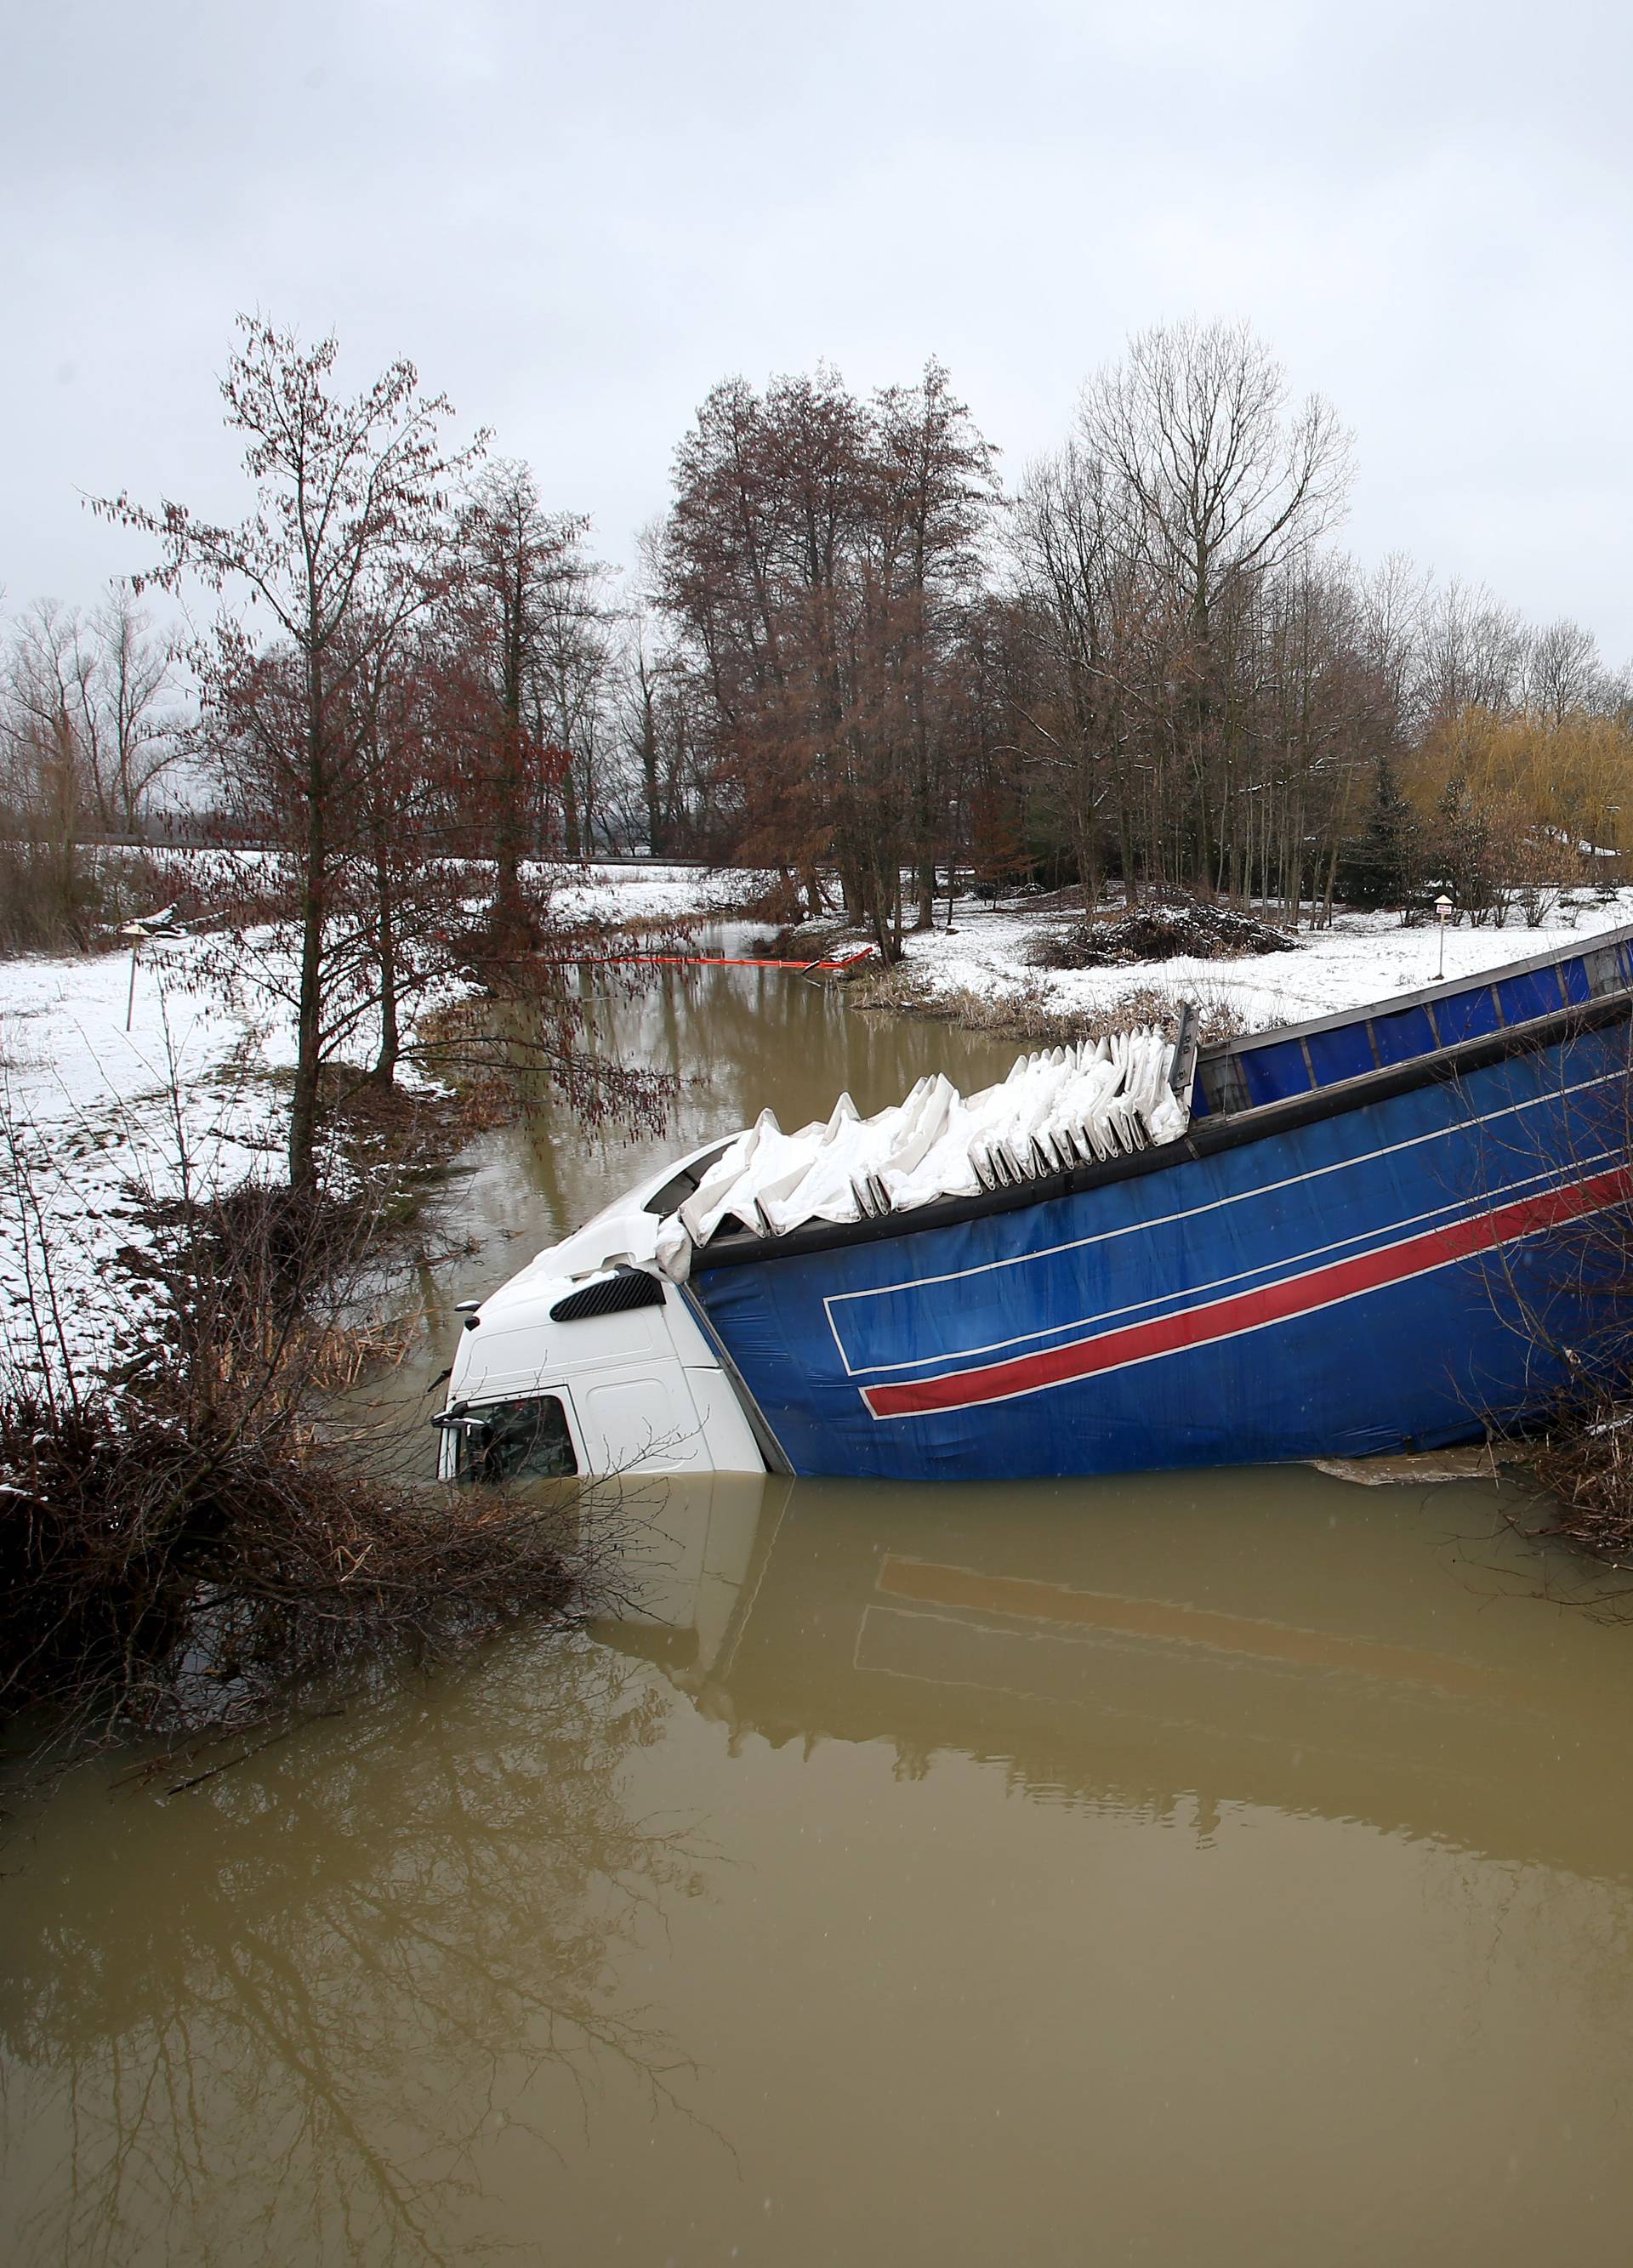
(1362, 958)
(93, 1117)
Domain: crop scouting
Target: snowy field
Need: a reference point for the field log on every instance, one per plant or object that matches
(197, 1087)
(649, 894)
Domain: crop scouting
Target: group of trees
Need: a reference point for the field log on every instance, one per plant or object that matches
(819, 565)
(1148, 666)
(848, 655)
(390, 700)
(91, 730)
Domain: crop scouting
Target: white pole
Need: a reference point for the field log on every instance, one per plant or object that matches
(1442, 908)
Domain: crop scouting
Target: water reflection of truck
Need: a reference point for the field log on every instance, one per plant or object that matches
(1103, 1648)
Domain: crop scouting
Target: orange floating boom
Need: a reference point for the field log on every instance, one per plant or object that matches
(703, 961)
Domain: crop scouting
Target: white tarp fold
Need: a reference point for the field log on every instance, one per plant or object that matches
(1100, 1098)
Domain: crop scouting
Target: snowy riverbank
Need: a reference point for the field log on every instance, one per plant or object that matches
(1362, 958)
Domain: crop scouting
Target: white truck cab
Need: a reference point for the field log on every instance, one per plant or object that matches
(588, 1361)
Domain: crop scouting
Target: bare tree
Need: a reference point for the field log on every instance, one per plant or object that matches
(655, 739)
(102, 682)
(345, 544)
(935, 484)
(1218, 486)
(47, 776)
(818, 561)
(527, 591)
(570, 704)
(1215, 475)
(768, 497)
(133, 720)
(1562, 672)
(1473, 654)
(1100, 641)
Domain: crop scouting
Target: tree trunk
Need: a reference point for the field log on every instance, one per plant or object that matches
(510, 847)
(303, 1113)
(926, 895)
(1087, 872)
(511, 818)
(1124, 838)
(385, 1071)
(656, 840)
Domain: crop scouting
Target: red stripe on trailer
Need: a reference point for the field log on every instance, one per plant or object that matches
(1252, 1311)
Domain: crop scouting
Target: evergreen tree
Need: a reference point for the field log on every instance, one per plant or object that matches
(1462, 847)
(1379, 866)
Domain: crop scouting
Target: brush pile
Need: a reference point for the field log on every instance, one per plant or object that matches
(154, 1581)
(185, 1548)
(1165, 929)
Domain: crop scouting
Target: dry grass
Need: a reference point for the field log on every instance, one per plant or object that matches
(157, 1576)
(349, 1353)
(1028, 1013)
(1585, 1466)
(54, 902)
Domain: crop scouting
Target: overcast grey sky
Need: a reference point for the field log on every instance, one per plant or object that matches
(576, 218)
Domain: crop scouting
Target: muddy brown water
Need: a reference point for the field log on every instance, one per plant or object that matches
(1232, 1867)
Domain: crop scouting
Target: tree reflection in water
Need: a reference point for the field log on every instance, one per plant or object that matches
(329, 2005)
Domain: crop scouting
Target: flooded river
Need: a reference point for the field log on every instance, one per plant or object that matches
(1228, 1868)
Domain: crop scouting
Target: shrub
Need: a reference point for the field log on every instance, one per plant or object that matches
(182, 1547)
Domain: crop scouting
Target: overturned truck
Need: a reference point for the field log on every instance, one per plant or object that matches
(1361, 1233)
